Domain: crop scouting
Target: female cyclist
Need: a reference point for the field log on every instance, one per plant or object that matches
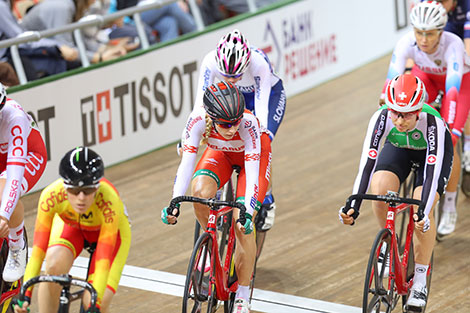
(80, 207)
(249, 68)
(23, 158)
(234, 137)
(441, 63)
(413, 132)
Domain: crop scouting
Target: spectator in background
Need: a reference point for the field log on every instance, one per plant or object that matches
(40, 58)
(50, 14)
(8, 75)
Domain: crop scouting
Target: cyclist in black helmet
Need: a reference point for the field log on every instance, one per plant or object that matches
(80, 207)
(234, 137)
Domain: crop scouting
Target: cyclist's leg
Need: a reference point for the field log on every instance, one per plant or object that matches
(65, 245)
(213, 171)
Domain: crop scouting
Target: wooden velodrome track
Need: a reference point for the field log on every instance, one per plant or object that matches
(308, 253)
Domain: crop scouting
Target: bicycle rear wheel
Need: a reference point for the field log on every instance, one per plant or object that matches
(379, 291)
(199, 292)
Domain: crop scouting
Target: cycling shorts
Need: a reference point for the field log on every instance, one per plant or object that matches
(399, 162)
(276, 106)
(219, 166)
(72, 238)
(36, 162)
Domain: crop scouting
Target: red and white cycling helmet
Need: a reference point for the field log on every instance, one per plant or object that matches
(3, 96)
(428, 15)
(405, 93)
(233, 54)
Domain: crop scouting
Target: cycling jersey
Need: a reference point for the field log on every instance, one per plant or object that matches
(247, 142)
(263, 89)
(459, 19)
(428, 135)
(105, 223)
(21, 147)
(447, 69)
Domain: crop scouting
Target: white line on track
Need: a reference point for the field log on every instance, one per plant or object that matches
(173, 284)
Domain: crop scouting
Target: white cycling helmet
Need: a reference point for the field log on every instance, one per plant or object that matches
(3, 96)
(405, 93)
(428, 15)
(233, 54)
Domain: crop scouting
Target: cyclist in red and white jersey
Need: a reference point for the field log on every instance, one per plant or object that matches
(234, 137)
(249, 68)
(442, 64)
(23, 158)
(412, 132)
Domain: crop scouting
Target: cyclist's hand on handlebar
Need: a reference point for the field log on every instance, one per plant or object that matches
(346, 218)
(247, 228)
(20, 306)
(170, 215)
(179, 148)
(423, 224)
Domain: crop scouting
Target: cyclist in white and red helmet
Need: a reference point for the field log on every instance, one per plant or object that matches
(23, 158)
(441, 63)
(234, 60)
(412, 132)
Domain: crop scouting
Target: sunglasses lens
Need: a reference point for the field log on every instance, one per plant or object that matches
(228, 125)
(86, 190)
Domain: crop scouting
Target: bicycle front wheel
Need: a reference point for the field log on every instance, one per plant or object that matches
(199, 292)
(379, 291)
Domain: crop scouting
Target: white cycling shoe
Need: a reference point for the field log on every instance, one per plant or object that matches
(15, 265)
(241, 306)
(447, 223)
(418, 297)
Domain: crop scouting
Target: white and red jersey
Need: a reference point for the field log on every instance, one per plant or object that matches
(16, 128)
(258, 78)
(247, 141)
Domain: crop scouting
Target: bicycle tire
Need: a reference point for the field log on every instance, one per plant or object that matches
(225, 221)
(232, 278)
(383, 295)
(194, 297)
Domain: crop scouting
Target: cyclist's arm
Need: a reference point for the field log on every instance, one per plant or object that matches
(262, 79)
(192, 133)
(377, 130)
(107, 242)
(252, 139)
(401, 53)
(16, 160)
(435, 138)
(42, 230)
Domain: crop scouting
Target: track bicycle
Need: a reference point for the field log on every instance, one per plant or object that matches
(8, 290)
(66, 296)
(205, 287)
(381, 293)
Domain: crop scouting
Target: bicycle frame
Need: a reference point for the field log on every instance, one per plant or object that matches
(399, 272)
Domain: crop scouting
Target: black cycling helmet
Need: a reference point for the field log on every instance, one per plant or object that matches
(224, 103)
(80, 167)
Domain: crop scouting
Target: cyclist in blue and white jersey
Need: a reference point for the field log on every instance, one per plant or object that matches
(249, 68)
(413, 132)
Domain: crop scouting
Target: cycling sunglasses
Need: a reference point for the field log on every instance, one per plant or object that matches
(405, 116)
(227, 125)
(87, 190)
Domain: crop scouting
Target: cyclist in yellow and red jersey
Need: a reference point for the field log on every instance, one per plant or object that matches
(234, 137)
(81, 207)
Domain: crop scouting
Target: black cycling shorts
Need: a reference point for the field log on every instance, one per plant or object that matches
(400, 160)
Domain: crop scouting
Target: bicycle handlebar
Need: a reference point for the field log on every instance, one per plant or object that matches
(390, 198)
(65, 281)
(212, 202)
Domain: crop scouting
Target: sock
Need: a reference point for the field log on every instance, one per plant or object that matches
(268, 198)
(420, 274)
(16, 239)
(449, 201)
(243, 292)
(466, 143)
